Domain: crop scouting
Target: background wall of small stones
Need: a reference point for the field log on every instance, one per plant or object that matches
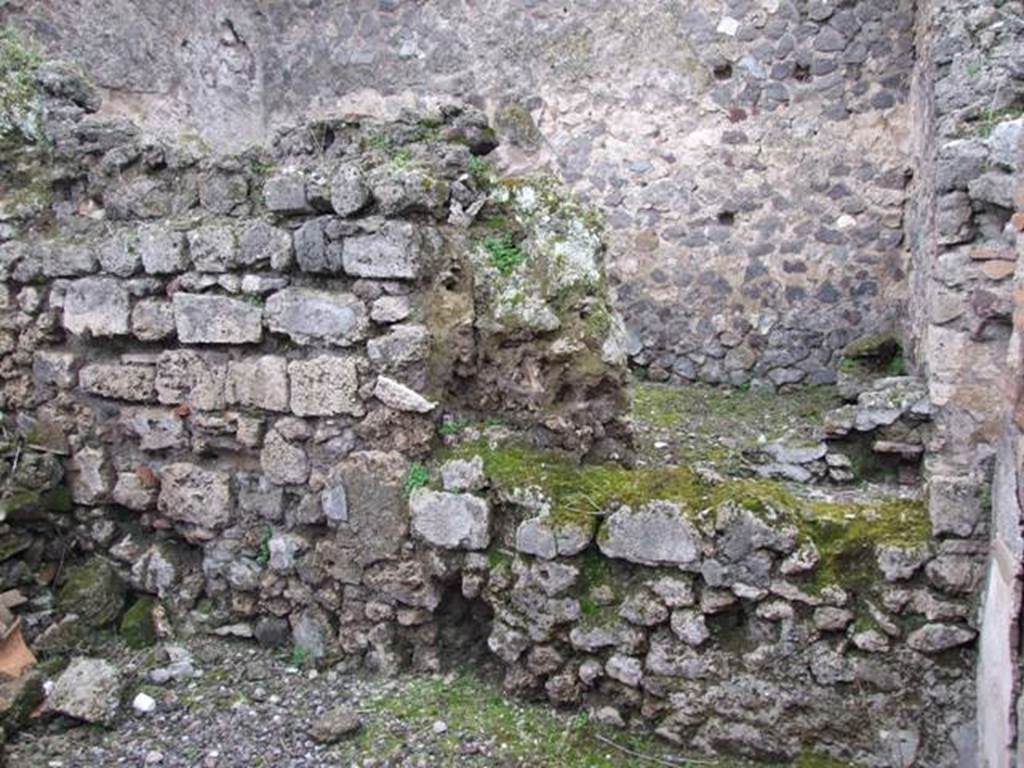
(751, 156)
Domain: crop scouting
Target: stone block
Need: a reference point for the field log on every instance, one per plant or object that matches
(285, 193)
(349, 193)
(404, 344)
(99, 306)
(202, 319)
(67, 259)
(450, 520)
(133, 492)
(184, 376)
(213, 248)
(158, 429)
(395, 253)
(51, 367)
(324, 386)
(258, 382)
(313, 252)
(284, 462)
(152, 320)
(197, 498)
(262, 244)
(135, 383)
(90, 477)
(396, 395)
(119, 254)
(88, 690)
(162, 250)
(309, 316)
(655, 534)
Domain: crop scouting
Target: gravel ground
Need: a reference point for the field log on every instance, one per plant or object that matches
(250, 708)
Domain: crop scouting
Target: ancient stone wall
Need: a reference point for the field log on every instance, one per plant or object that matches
(968, 100)
(332, 394)
(751, 157)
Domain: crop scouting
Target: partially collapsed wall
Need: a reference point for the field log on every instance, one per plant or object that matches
(751, 156)
(333, 394)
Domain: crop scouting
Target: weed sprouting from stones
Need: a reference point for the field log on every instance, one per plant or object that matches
(504, 253)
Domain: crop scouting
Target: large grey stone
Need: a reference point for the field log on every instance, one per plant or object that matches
(133, 492)
(935, 638)
(460, 475)
(401, 191)
(262, 244)
(1006, 144)
(655, 534)
(88, 690)
(335, 725)
(119, 254)
(450, 520)
(313, 252)
(326, 385)
(97, 305)
(198, 498)
(955, 505)
(162, 250)
(404, 344)
(334, 502)
(349, 193)
(390, 309)
(284, 549)
(285, 193)
(95, 592)
(395, 252)
(377, 510)
(542, 537)
(202, 319)
(898, 563)
(213, 248)
(689, 626)
(66, 259)
(317, 317)
(258, 382)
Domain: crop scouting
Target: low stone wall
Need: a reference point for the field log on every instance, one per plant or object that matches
(736, 616)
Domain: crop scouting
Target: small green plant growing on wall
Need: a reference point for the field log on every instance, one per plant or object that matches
(452, 427)
(263, 553)
(417, 477)
(990, 118)
(480, 170)
(504, 254)
(300, 656)
(18, 88)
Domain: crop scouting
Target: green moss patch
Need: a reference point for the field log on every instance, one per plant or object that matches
(504, 253)
(716, 424)
(845, 533)
(511, 732)
(138, 628)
